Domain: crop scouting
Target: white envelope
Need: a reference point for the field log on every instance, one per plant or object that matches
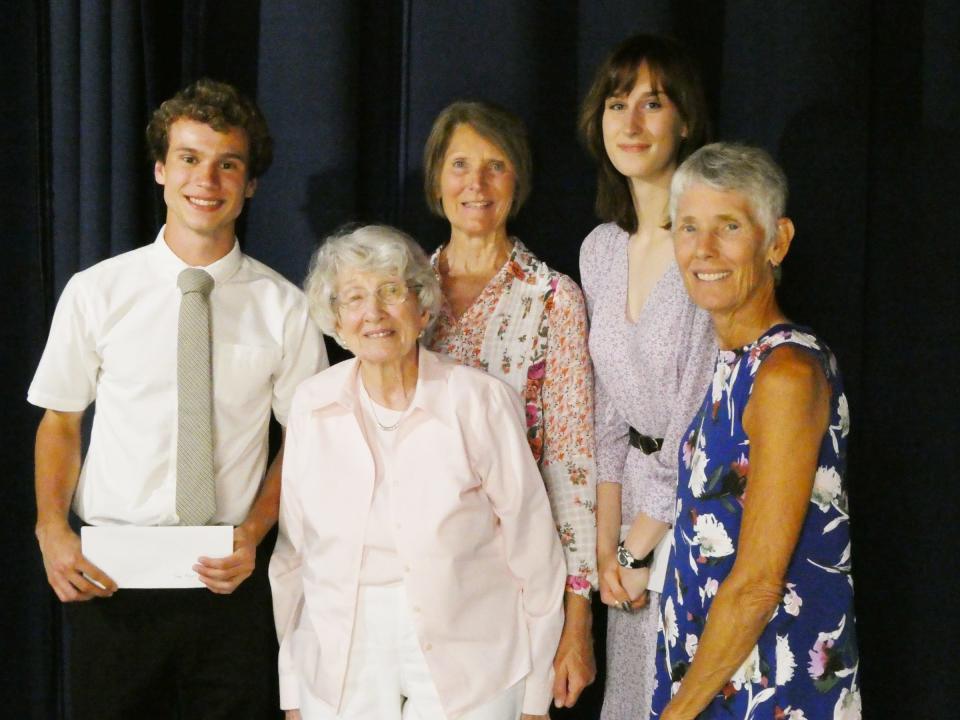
(154, 557)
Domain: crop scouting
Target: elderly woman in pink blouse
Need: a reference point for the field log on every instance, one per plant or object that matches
(417, 573)
(507, 313)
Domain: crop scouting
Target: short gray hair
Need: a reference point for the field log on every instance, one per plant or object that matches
(368, 248)
(747, 170)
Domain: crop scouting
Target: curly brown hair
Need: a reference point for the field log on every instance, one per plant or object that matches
(221, 106)
(672, 67)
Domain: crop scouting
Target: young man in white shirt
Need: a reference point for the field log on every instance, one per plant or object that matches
(193, 653)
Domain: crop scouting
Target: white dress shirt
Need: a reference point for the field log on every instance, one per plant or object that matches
(113, 340)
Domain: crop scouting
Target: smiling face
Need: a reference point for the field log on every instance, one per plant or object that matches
(205, 181)
(642, 130)
(476, 184)
(723, 255)
(376, 332)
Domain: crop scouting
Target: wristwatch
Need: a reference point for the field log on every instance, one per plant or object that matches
(626, 559)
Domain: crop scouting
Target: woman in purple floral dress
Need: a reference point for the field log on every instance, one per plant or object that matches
(757, 614)
(652, 348)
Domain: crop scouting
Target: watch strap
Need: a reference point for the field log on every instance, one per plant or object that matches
(626, 559)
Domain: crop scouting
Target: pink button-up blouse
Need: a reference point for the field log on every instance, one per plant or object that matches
(483, 568)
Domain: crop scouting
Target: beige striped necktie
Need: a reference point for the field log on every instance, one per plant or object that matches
(196, 491)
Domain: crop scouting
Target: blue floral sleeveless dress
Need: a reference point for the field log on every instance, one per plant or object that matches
(804, 666)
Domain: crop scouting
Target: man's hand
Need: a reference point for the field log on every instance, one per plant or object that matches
(57, 461)
(224, 575)
(68, 571)
(574, 665)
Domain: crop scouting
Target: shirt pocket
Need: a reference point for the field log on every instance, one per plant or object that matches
(242, 373)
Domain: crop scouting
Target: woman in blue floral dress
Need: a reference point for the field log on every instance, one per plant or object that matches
(756, 619)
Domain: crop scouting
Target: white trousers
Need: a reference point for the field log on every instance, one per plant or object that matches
(387, 674)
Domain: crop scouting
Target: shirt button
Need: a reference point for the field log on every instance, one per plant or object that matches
(416, 608)
(406, 568)
(428, 647)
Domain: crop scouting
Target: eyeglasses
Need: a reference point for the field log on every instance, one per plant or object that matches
(389, 293)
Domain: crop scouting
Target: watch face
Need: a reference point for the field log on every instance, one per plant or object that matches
(624, 558)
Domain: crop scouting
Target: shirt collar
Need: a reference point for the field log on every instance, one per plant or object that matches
(170, 264)
(431, 394)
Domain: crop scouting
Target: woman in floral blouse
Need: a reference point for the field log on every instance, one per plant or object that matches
(757, 613)
(506, 312)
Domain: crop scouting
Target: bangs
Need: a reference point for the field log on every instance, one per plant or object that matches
(623, 76)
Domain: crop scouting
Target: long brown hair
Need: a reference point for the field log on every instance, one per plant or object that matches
(675, 72)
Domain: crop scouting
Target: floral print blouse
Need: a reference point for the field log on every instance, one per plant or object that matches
(528, 327)
(805, 663)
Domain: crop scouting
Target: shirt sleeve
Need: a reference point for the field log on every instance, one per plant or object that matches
(567, 465)
(286, 581)
(695, 356)
(516, 492)
(612, 434)
(304, 355)
(611, 431)
(66, 378)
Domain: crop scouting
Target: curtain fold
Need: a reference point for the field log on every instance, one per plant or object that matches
(860, 102)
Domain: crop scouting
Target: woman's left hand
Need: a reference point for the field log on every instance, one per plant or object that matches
(635, 583)
(574, 665)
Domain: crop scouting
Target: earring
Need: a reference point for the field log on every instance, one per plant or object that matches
(777, 271)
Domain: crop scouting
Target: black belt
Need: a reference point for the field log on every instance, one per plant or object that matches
(646, 444)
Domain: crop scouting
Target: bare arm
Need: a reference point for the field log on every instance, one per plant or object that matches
(57, 463)
(785, 420)
(224, 575)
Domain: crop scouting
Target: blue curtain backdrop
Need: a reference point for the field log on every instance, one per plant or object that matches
(859, 100)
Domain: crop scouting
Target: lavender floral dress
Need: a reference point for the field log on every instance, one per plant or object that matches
(804, 666)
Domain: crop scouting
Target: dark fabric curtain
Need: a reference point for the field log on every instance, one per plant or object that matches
(860, 101)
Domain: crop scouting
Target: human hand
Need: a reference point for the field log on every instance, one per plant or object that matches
(621, 587)
(527, 716)
(612, 592)
(574, 665)
(634, 582)
(72, 577)
(224, 575)
(291, 715)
